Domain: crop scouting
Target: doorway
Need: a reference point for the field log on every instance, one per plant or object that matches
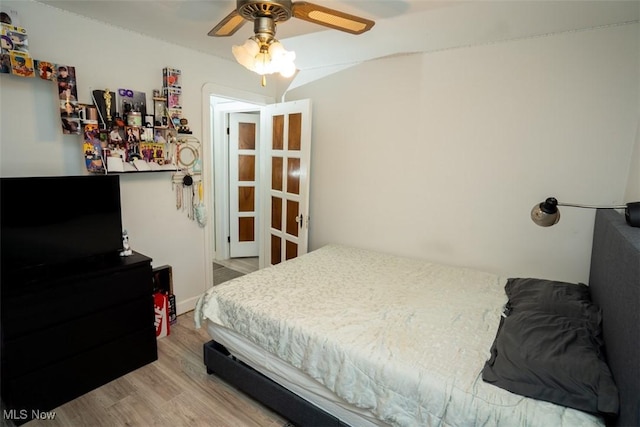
(234, 175)
(218, 102)
(285, 143)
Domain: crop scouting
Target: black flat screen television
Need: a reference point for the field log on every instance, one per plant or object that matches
(48, 223)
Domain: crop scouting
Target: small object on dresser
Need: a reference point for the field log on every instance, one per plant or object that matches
(126, 249)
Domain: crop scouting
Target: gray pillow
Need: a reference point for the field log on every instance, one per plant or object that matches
(549, 347)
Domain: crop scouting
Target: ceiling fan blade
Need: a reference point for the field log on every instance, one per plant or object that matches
(331, 18)
(228, 26)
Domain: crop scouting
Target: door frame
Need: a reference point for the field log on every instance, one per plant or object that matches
(217, 102)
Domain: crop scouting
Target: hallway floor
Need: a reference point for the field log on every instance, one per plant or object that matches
(232, 268)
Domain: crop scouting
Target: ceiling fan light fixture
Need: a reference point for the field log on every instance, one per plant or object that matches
(270, 56)
(276, 49)
(288, 70)
(263, 62)
(282, 61)
(246, 53)
(265, 56)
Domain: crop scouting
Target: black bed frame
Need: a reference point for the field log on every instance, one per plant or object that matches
(266, 391)
(615, 287)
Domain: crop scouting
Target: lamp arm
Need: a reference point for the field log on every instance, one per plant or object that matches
(574, 205)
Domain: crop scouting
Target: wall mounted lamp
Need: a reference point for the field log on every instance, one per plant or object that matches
(546, 214)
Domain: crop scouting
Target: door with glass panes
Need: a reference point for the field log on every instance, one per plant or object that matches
(244, 133)
(286, 137)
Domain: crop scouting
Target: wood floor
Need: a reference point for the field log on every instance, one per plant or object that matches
(243, 265)
(173, 391)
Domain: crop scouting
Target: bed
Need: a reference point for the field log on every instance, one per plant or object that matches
(346, 336)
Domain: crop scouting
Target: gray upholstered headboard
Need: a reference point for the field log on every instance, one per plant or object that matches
(614, 281)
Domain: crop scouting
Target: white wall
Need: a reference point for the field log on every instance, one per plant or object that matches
(414, 155)
(442, 155)
(31, 142)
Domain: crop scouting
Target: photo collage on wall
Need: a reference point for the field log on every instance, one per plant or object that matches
(15, 60)
(14, 48)
(125, 129)
(172, 92)
(70, 109)
(132, 141)
(117, 133)
(92, 147)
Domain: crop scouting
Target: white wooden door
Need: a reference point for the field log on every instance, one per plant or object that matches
(285, 150)
(244, 133)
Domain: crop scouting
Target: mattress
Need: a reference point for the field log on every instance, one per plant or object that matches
(291, 378)
(401, 338)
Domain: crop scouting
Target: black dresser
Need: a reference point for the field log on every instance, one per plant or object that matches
(73, 329)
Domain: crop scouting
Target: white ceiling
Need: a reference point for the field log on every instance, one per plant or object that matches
(402, 26)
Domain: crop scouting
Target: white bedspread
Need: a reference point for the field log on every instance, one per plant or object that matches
(404, 338)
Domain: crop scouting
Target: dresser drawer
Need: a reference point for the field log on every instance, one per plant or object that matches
(61, 301)
(49, 387)
(25, 354)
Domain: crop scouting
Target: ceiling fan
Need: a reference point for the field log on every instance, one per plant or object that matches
(281, 10)
(263, 53)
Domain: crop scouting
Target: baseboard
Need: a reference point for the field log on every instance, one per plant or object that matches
(186, 305)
